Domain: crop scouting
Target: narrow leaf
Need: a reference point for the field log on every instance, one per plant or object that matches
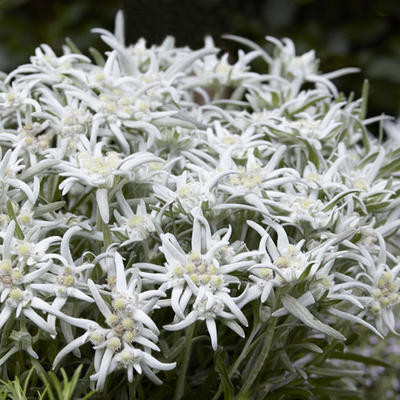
(11, 213)
(51, 207)
(220, 367)
(302, 313)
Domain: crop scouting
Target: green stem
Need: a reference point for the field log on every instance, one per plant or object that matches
(269, 334)
(180, 386)
(240, 358)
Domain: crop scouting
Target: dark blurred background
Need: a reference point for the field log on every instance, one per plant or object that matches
(360, 33)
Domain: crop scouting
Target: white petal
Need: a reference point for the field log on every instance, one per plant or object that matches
(388, 319)
(66, 330)
(212, 330)
(172, 250)
(145, 319)
(101, 304)
(175, 296)
(24, 187)
(120, 273)
(78, 294)
(151, 375)
(45, 287)
(75, 344)
(9, 353)
(138, 368)
(234, 308)
(353, 318)
(235, 327)
(7, 240)
(154, 363)
(78, 322)
(210, 300)
(102, 203)
(139, 160)
(58, 303)
(64, 248)
(130, 373)
(187, 294)
(147, 343)
(196, 236)
(266, 291)
(4, 315)
(98, 355)
(120, 138)
(190, 318)
(38, 320)
(4, 294)
(192, 285)
(32, 276)
(104, 367)
(253, 292)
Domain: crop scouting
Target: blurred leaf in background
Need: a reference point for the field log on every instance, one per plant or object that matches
(25, 24)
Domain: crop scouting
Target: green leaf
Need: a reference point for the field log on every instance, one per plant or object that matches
(294, 393)
(107, 236)
(388, 169)
(337, 372)
(312, 153)
(337, 198)
(220, 367)
(11, 213)
(378, 207)
(69, 386)
(365, 138)
(308, 104)
(72, 46)
(51, 207)
(364, 96)
(302, 313)
(89, 395)
(97, 56)
(81, 200)
(27, 379)
(312, 347)
(335, 393)
(56, 384)
(359, 358)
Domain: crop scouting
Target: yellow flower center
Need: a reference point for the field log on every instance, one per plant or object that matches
(135, 221)
(5, 266)
(16, 294)
(114, 343)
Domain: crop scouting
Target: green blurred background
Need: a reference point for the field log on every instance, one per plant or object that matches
(361, 33)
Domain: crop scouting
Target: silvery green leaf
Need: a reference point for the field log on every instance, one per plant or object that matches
(41, 210)
(354, 318)
(301, 312)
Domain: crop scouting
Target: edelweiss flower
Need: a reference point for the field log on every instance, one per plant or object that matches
(128, 326)
(97, 170)
(135, 226)
(16, 294)
(200, 274)
(255, 177)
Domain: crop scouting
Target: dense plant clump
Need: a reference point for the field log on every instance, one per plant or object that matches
(166, 211)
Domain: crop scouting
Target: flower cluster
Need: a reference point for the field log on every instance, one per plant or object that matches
(162, 178)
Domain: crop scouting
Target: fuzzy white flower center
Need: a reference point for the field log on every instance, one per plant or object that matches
(386, 294)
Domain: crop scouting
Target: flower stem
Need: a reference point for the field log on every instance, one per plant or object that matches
(269, 334)
(180, 386)
(240, 358)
